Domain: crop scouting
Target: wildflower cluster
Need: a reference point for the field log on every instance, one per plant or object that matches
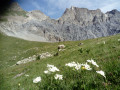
(51, 69)
(78, 66)
(85, 66)
(92, 62)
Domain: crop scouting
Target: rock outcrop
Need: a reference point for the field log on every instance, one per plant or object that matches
(34, 57)
(75, 24)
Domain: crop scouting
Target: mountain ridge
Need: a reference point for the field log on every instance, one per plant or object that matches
(75, 24)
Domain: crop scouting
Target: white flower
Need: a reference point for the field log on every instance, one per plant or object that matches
(101, 73)
(93, 62)
(72, 64)
(118, 39)
(86, 66)
(58, 76)
(46, 72)
(77, 66)
(51, 68)
(36, 80)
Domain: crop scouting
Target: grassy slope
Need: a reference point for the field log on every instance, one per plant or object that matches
(106, 55)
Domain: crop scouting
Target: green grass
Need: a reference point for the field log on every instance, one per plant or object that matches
(106, 55)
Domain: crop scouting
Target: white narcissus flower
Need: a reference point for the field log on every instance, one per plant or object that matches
(72, 64)
(77, 66)
(37, 79)
(101, 73)
(86, 66)
(46, 72)
(93, 62)
(51, 68)
(58, 76)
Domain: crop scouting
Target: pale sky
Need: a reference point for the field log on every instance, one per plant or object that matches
(55, 8)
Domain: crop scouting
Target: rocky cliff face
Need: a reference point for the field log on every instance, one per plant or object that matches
(75, 24)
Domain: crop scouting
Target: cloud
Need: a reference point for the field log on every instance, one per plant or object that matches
(90, 4)
(109, 7)
(55, 8)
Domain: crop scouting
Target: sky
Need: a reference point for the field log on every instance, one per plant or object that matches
(55, 8)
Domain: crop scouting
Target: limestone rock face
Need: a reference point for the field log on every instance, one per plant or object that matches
(37, 15)
(75, 24)
(81, 23)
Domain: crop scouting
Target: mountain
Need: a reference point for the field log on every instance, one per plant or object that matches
(75, 24)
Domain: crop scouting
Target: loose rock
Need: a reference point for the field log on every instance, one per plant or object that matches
(33, 58)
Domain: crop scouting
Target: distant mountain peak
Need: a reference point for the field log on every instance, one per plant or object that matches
(37, 15)
(75, 24)
(114, 11)
(81, 10)
(81, 15)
